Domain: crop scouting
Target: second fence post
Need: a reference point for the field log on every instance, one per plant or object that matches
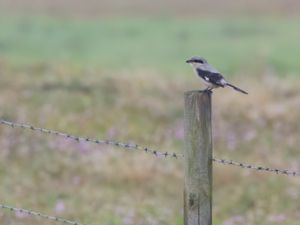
(198, 158)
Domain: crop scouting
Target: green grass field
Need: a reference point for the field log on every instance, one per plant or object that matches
(111, 78)
(233, 44)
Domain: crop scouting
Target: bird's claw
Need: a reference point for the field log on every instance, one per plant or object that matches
(208, 90)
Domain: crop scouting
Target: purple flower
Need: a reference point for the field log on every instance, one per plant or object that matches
(21, 215)
(277, 218)
(179, 132)
(111, 133)
(60, 206)
(234, 220)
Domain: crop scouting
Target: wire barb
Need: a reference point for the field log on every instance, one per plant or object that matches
(146, 149)
(96, 141)
(255, 167)
(40, 215)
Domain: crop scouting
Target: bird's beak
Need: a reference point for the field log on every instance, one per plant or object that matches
(188, 61)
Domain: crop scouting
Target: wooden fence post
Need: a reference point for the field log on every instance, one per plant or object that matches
(198, 158)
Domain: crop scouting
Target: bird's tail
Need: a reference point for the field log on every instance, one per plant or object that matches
(237, 89)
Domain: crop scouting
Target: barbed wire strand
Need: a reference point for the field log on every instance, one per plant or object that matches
(255, 167)
(148, 150)
(96, 141)
(38, 214)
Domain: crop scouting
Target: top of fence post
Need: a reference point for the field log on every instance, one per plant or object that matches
(198, 158)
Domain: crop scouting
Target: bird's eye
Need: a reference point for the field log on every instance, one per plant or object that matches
(199, 61)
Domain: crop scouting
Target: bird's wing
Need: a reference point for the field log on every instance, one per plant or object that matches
(210, 68)
(214, 78)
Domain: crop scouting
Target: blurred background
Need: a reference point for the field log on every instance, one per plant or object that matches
(116, 70)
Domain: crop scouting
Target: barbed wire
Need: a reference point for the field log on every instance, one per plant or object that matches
(148, 150)
(255, 167)
(38, 214)
(95, 141)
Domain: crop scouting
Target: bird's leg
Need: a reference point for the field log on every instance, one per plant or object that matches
(208, 89)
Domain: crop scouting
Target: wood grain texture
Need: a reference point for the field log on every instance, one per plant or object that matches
(198, 158)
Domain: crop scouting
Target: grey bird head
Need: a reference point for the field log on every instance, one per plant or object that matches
(198, 62)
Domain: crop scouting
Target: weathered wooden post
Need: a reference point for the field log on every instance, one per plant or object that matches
(198, 158)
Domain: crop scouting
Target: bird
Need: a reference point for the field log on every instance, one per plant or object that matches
(211, 77)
